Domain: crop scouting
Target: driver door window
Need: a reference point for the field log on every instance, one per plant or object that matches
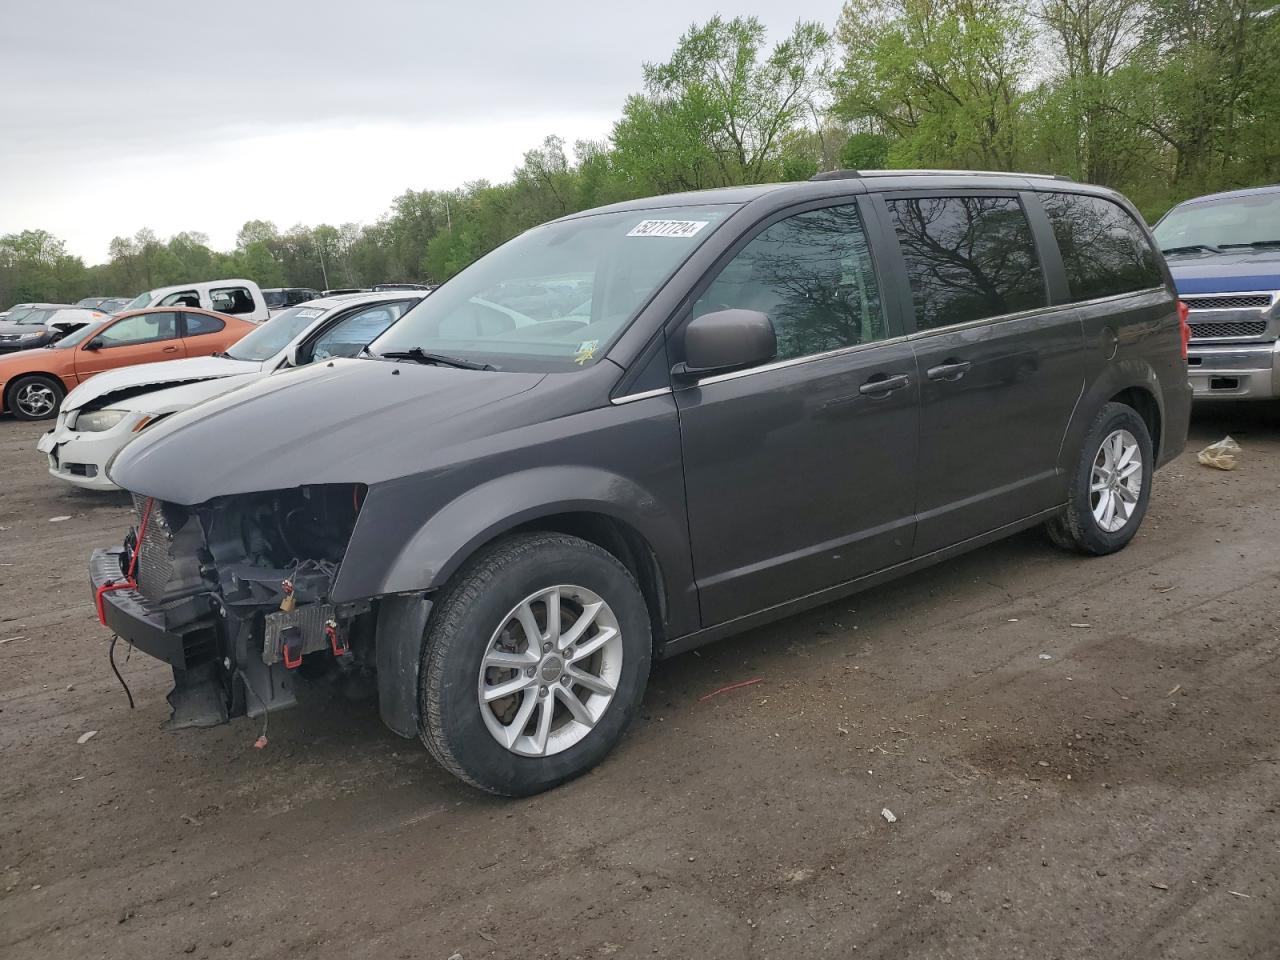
(812, 275)
(140, 328)
(351, 334)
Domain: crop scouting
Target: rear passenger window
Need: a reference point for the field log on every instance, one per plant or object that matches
(812, 275)
(1104, 251)
(231, 300)
(967, 258)
(199, 323)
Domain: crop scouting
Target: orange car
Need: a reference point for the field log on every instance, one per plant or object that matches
(33, 382)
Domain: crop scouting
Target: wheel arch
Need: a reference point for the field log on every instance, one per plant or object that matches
(1131, 382)
(626, 522)
(9, 385)
(1143, 400)
(613, 511)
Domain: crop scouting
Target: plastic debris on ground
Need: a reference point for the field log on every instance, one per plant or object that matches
(888, 815)
(1222, 455)
(86, 736)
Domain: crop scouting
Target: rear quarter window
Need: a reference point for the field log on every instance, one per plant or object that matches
(199, 324)
(232, 300)
(1104, 250)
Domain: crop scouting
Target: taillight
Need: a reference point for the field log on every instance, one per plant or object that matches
(1183, 313)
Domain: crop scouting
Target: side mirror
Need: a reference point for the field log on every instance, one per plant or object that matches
(292, 357)
(97, 343)
(726, 340)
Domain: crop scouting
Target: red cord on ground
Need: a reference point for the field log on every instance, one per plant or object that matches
(732, 686)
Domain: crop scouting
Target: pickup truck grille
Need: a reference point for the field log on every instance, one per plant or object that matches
(1235, 328)
(1230, 316)
(1238, 301)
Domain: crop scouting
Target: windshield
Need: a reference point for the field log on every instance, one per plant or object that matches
(30, 315)
(140, 301)
(79, 336)
(275, 298)
(1229, 222)
(274, 335)
(555, 297)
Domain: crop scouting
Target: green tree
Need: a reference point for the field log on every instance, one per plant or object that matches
(940, 76)
(716, 113)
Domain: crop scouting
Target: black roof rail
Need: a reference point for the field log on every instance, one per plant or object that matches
(857, 174)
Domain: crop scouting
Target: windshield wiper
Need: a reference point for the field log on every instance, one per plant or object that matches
(418, 355)
(1192, 248)
(1253, 243)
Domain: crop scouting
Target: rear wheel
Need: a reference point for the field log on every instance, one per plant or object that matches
(536, 657)
(35, 397)
(1110, 485)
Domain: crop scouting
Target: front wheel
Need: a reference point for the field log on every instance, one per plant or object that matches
(535, 659)
(1110, 485)
(36, 397)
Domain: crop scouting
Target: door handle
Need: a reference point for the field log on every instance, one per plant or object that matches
(169, 350)
(949, 370)
(881, 385)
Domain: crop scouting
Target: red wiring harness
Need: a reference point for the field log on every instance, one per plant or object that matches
(128, 583)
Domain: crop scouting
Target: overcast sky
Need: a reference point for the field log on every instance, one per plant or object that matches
(122, 114)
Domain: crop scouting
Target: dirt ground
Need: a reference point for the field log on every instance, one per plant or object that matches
(1083, 757)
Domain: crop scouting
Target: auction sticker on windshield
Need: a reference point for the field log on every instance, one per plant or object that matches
(667, 228)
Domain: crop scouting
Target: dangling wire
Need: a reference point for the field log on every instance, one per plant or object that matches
(262, 739)
(111, 655)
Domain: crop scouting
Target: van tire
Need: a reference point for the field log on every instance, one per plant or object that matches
(26, 391)
(1077, 528)
(474, 609)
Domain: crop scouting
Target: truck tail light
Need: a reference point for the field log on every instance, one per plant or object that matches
(1183, 312)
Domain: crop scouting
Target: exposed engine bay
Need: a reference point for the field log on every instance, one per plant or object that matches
(242, 583)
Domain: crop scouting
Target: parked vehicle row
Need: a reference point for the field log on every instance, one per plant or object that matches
(33, 382)
(281, 298)
(31, 325)
(641, 428)
(100, 416)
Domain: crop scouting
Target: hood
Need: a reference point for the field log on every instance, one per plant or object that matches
(132, 381)
(343, 421)
(173, 399)
(1234, 271)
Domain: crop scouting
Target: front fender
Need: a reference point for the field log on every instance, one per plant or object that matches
(455, 531)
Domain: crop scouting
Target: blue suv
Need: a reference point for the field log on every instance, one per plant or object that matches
(1224, 252)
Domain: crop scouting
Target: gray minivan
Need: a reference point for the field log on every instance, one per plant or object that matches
(640, 428)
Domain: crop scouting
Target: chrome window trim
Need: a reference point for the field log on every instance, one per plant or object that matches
(998, 318)
(1121, 296)
(1048, 310)
(796, 361)
(643, 395)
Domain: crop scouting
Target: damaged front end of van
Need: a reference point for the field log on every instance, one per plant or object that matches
(234, 593)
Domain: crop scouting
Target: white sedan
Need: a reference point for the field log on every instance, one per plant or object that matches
(101, 415)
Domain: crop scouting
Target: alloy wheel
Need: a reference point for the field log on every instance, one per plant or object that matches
(1115, 482)
(35, 400)
(550, 671)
